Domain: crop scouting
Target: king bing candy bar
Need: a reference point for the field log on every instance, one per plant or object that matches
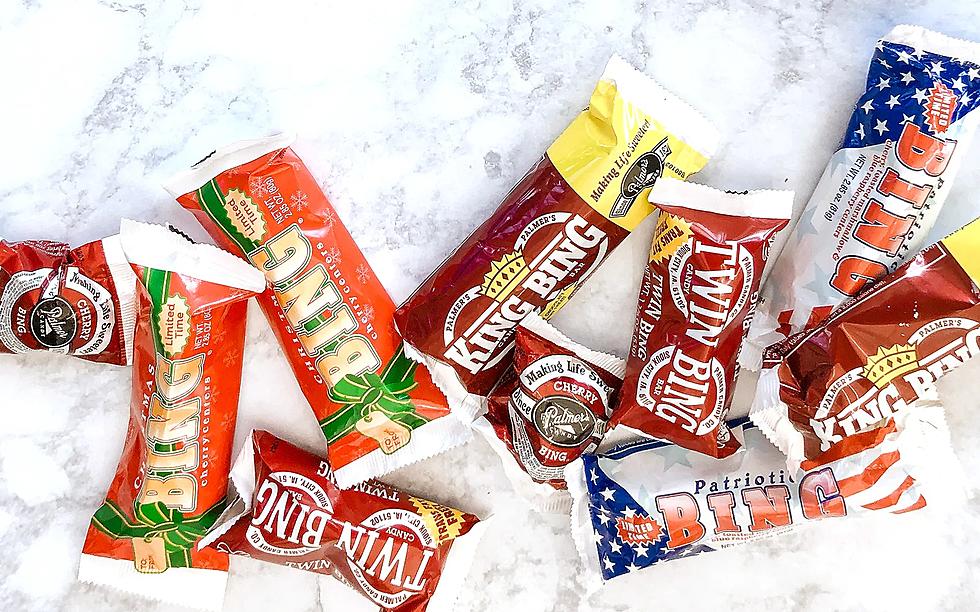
(172, 479)
(650, 502)
(884, 187)
(695, 305)
(71, 301)
(554, 228)
(377, 408)
(401, 552)
(876, 356)
(552, 407)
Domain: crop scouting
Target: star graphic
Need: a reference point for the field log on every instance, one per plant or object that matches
(880, 45)
(819, 283)
(607, 494)
(907, 77)
(893, 101)
(615, 547)
(907, 118)
(603, 516)
(640, 550)
(609, 564)
(805, 225)
(959, 84)
(880, 126)
(632, 567)
(593, 476)
(904, 56)
(884, 63)
(973, 72)
(867, 106)
(596, 538)
(883, 83)
(675, 455)
(629, 512)
(936, 68)
(860, 131)
(921, 96)
(965, 99)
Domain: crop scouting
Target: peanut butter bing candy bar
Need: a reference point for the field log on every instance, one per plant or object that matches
(172, 479)
(403, 553)
(378, 409)
(551, 232)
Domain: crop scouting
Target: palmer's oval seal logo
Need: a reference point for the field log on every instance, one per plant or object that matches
(53, 322)
(563, 421)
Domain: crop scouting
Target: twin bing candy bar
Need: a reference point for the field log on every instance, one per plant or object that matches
(549, 409)
(377, 408)
(877, 355)
(695, 305)
(172, 478)
(556, 226)
(883, 189)
(72, 301)
(403, 553)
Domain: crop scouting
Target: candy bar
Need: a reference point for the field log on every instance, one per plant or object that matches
(695, 305)
(884, 187)
(377, 408)
(551, 232)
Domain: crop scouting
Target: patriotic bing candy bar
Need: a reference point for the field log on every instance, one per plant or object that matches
(548, 410)
(648, 502)
(76, 302)
(878, 356)
(172, 478)
(555, 227)
(377, 408)
(695, 305)
(403, 553)
(883, 189)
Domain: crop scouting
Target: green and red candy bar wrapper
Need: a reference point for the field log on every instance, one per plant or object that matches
(76, 302)
(172, 479)
(403, 553)
(552, 407)
(378, 409)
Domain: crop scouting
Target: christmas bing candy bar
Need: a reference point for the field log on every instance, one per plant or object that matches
(555, 227)
(552, 407)
(377, 408)
(648, 502)
(172, 478)
(883, 189)
(877, 354)
(695, 305)
(71, 301)
(403, 553)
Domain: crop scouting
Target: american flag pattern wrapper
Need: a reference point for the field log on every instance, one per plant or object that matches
(883, 189)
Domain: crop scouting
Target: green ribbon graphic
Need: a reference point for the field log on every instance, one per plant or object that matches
(369, 392)
(156, 520)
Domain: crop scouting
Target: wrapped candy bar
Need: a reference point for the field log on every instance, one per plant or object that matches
(377, 408)
(172, 479)
(551, 232)
(648, 502)
(552, 407)
(884, 187)
(77, 302)
(695, 305)
(402, 552)
(877, 355)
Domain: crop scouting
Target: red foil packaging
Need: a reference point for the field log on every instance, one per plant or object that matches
(696, 301)
(402, 552)
(878, 356)
(77, 301)
(550, 409)
(551, 232)
(172, 479)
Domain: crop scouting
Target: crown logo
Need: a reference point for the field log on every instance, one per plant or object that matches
(889, 363)
(504, 276)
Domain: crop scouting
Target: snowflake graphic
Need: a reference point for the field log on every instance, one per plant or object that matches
(363, 273)
(299, 200)
(329, 217)
(257, 186)
(334, 255)
(368, 313)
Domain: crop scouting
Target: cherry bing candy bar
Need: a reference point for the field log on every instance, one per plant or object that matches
(377, 408)
(172, 478)
(71, 301)
(877, 354)
(650, 501)
(551, 232)
(402, 552)
(552, 407)
(884, 187)
(695, 305)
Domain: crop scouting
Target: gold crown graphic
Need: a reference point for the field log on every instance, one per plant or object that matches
(504, 276)
(889, 363)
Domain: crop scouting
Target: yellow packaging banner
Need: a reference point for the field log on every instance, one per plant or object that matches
(964, 244)
(671, 234)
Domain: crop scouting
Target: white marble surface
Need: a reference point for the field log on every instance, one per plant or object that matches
(417, 117)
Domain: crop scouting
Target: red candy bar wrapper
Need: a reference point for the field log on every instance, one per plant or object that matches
(552, 407)
(877, 355)
(77, 302)
(377, 408)
(649, 502)
(403, 553)
(551, 232)
(695, 305)
(172, 479)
